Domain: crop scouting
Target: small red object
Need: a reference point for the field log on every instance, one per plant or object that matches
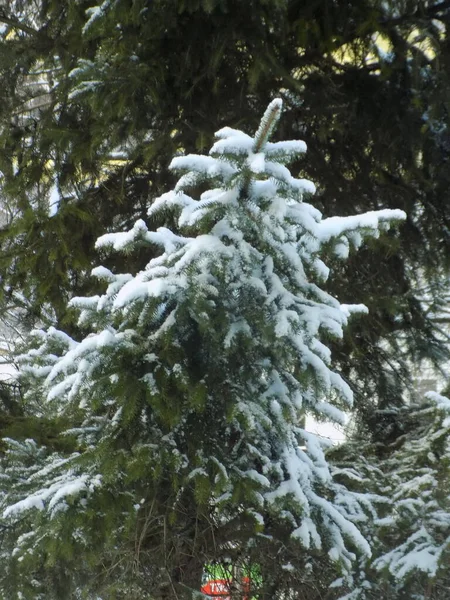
(217, 588)
(220, 588)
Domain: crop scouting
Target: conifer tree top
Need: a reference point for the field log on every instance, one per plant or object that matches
(206, 361)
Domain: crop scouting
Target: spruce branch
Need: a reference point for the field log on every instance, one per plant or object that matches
(262, 135)
(16, 24)
(267, 125)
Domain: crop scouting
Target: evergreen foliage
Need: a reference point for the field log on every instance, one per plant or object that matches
(186, 396)
(415, 559)
(97, 97)
(409, 480)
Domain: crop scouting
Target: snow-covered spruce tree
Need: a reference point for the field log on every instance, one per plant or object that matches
(411, 540)
(414, 539)
(187, 396)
